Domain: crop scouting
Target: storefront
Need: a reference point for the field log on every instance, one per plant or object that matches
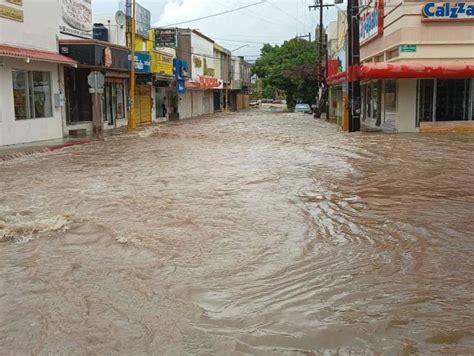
(112, 61)
(164, 83)
(417, 67)
(30, 95)
(144, 90)
(417, 77)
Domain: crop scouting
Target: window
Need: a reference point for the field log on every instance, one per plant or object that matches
(390, 100)
(392, 54)
(444, 100)
(32, 94)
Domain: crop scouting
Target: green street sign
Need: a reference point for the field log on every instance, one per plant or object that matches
(408, 48)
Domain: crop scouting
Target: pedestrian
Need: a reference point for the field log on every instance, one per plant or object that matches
(163, 108)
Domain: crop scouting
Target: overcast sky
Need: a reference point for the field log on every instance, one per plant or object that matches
(273, 21)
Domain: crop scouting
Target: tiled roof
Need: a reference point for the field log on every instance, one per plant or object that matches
(34, 54)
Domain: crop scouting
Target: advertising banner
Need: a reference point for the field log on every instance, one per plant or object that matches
(143, 21)
(76, 18)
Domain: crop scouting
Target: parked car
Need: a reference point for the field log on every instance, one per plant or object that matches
(305, 108)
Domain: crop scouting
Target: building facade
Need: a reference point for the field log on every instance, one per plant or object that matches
(417, 65)
(31, 80)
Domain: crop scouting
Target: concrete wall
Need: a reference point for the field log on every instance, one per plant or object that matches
(406, 105)
(203, 50)
(39, 29)
(23, 131)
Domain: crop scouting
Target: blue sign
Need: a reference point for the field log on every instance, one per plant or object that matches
(142, 62)
(369, 24)
(180, 86)
(180, 69)
(448, 11)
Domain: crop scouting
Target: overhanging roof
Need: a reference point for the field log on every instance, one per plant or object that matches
(35, 55)
(400, 70)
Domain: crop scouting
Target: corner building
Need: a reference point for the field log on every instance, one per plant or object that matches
(417, 65)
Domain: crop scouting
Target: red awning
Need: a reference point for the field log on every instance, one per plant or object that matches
(400, 70)
(34, 55)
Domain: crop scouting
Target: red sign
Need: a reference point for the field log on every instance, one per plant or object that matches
(208, 82)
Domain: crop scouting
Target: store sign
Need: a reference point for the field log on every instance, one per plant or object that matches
(142, 62)
(162, 64)
(408, 48)
(10, 13)
(143, 20)
(180, 87)
(180, 69)
(371, 22)
(448, 11)
(208, 82)
(166, 37)
(76, 18)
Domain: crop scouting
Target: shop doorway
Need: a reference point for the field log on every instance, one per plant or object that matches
(143, 104)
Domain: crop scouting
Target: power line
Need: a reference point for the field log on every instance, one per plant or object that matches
(217, 14)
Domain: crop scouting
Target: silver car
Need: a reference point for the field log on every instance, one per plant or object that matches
(303, 108)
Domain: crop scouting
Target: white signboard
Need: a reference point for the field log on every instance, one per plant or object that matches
(76, 18)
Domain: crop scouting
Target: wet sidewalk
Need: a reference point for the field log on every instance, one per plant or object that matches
(8, 153)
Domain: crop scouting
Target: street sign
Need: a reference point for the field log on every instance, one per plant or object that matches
(408, 48)
(96, 91)
(96, 80)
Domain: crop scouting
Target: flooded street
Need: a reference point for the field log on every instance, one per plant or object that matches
(253, 233)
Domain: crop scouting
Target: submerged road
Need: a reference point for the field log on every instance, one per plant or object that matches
(253, 233)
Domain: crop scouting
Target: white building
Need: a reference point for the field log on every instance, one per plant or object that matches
(31, 85)
(198, 50)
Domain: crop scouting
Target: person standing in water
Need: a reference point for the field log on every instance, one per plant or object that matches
(163, 108)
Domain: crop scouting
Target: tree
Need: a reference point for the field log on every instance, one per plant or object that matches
(291, 67)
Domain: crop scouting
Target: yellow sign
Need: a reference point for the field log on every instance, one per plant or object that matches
(16, 2)
(11, 14)
(161, 64)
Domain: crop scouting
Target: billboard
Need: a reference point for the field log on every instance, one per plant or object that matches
(76, 18)
(143, 20)
(166, 37)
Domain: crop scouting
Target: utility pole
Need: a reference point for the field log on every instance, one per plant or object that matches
(353, 64)
(324, 95)
(132, 123)
(306, 36)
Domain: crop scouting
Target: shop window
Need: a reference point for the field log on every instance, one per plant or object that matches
(390, 100)
(120, 101)
(452, 99)
(425, 100)
(444, 100)
(32, 94)
(114, 101)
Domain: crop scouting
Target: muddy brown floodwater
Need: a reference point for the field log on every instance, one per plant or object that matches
(253, 233)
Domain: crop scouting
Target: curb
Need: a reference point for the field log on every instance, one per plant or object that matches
(26, 153)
